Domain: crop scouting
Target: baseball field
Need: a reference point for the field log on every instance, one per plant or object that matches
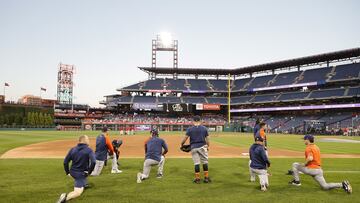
(31, 170)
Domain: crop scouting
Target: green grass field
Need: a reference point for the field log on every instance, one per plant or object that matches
(42, 180)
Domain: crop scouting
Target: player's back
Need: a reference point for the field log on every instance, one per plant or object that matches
(315, 151)
(197, 136)
(154, 148)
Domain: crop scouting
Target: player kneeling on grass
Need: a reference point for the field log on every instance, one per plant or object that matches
(199, 143)
(312, 167)
(259, 162)
(83, 162)
(103, 147)
(154, 155)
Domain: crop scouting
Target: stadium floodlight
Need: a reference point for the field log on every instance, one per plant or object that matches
(165, 41)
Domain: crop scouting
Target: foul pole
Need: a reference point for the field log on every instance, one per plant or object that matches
(229, 97)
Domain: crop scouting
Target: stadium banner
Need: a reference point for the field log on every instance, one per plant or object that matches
(208, 107)
(142, 127)
(194, 91)
(178, 108)
(294, 108)
(148, 106)
(160, 91)
(284, 86)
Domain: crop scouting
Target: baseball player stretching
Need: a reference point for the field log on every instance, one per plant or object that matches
(259, 131)
(103, 147)
(259, 162)
(199, 143)
(154, 155)
(312, 167)
(83, 162)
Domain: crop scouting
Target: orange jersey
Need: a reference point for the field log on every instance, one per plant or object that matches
(315, 151)
(263, 135)
(109, 144)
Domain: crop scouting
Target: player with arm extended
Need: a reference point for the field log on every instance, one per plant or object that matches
(82, 160)
(199, 143)
(312, 167)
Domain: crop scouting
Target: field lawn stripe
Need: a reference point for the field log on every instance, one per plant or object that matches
(342, 171)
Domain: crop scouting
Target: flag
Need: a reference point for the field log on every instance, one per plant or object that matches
(7, 84)
(42, 89)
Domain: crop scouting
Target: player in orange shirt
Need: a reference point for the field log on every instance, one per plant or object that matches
(312, 167)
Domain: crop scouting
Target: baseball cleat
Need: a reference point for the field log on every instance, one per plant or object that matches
(207, 180)
(263, 188)
(294, 182)
(138, 178)
(62, 198)
(159, 175)
(197, 180)
(116, 171)
(347, 187)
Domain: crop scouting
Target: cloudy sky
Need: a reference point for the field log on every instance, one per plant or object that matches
(107, 40)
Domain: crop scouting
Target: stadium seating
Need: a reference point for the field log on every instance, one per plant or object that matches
(327, 93)
(156, 84)
(125, 99)
(293, 96)
(219, 85)
(217, 100)
(265, 98)
(144, 99)
(285, 78)
(314, 75)
(349, 71)
(198, 84)
(240, 83)
(353, 91)
(194, 100)
(240, 100)
(261, 81)
(169, 100)
(178, 84)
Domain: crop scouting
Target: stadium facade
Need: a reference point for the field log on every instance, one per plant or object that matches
(318, 93)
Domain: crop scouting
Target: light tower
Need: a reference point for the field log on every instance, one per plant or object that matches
(164, 42)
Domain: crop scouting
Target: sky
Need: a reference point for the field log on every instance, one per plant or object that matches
(107, 40)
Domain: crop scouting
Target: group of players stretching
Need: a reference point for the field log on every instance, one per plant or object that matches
(85, 162)
(259, 162)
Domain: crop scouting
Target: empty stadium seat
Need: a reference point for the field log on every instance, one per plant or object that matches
(194, 100)
(265, 98)
(217, 100)
(354, 91)
(346, 72)
(144, 99)
(261, 81)
(240, 99)
(219, 85)
(285, 79)
(169, 100)
(315, 75)
(240, 83)
(327, 93)
(293, 96)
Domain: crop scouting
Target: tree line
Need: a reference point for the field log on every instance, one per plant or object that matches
(31, 119)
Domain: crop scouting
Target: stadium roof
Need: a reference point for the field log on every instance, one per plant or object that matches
(307, 60)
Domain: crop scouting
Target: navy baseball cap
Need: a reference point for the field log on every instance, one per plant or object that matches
(259, 139)
(154, 132)
(309, 137)
(197, 118)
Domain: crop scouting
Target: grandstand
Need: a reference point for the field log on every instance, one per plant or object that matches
(284, 93)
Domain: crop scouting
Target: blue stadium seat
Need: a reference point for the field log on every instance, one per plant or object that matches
(169, 99)
(178, 84)
(346, 72)
(144, 99)
(219, 85)
(285, 79)
(194, 100)
(315, 75)
(154, 84)
(293, 96)
(265, 98)
(261, 81)
(198, 84)
(239, 84)
(327, 93)
(217, 100)
(240, 99)
(354, 91)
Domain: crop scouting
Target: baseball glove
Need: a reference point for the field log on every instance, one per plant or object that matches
(185, 148)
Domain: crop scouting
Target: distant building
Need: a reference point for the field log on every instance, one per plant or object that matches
(2, 99)
(48, 102)
(30, 100)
